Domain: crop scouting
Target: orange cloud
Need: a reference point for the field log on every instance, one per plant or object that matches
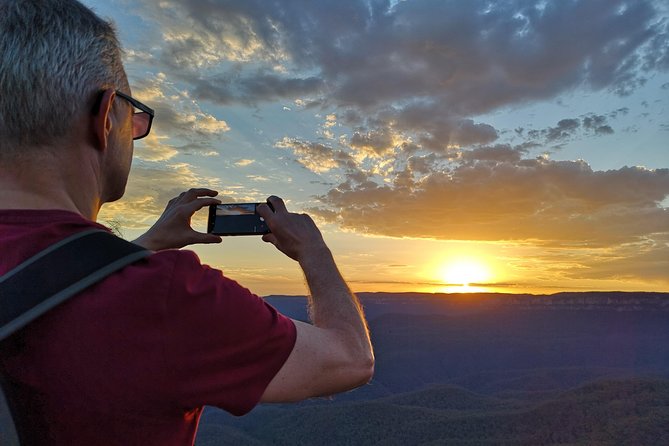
(550, 202)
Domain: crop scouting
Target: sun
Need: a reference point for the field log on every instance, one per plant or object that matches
(464, 272)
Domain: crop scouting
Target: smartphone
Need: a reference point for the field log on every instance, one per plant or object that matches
(236, 219)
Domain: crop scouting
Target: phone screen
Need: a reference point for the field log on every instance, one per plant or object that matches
(236, 219)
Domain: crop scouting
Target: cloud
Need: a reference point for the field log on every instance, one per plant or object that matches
(646, 259)
(316, 157)
(496, 195)
(435, 127)
(420, 69)
(570, 128)
(564, 129)
(498, 154)
(154, 148)
(375, 141)
(597, 124)
(641, 262)
(229, 89)
(178, 117)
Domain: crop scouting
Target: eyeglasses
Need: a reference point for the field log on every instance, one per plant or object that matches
(141, 121)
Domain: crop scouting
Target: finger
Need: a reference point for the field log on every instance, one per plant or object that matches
(192, 194)
(278, 204)
(264, 211)
(199, 203)
(269, 238)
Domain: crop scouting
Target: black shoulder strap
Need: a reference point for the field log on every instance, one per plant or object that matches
(58, 273)
(50, 278)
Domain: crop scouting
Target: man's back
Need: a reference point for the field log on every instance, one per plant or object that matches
(133, 359)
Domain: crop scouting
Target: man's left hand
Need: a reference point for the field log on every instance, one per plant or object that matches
(173, 229)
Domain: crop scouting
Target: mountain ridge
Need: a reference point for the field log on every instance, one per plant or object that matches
(590, 300)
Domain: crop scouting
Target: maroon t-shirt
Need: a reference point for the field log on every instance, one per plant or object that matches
(133, 359)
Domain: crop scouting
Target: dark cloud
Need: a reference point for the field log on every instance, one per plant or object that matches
(500, 153)
(597, 124)
(422, 68)
(378, 141)
(569, 128)
(624, 111)
(435, 126)
(657, 57)
(422, 165)
(223, 89)
(564, 129)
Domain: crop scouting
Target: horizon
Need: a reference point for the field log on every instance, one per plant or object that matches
(440, 146)
(484, 294)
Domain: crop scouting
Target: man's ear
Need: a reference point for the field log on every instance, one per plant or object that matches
(102, 119)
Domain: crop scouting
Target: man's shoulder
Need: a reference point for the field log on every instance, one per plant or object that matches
(180, 259)
(180, 274)
(175, 263)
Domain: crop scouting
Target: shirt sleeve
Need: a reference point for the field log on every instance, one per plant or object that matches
(223, 344)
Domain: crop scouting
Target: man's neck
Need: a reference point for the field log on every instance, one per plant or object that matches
(64, 182)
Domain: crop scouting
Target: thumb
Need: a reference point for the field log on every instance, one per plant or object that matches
(269, 238)
(211, 238)
(200, 237)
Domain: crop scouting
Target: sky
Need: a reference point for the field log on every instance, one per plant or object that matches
(440, 145)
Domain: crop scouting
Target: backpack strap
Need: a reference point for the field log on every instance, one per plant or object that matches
(48, 279)
(59, 272)
(8, 433)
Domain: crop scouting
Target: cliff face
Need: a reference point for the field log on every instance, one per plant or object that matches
(611, 301)
(595, 301)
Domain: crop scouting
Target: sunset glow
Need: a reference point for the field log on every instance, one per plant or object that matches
(465, 272)
(517, 145)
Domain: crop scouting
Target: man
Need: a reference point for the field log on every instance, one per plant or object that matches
(133, 359)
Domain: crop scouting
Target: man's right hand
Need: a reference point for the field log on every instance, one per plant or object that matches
(296, 235)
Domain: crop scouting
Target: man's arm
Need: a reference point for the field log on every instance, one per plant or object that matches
(335, 353)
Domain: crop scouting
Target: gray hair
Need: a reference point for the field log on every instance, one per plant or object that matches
(55, 58)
